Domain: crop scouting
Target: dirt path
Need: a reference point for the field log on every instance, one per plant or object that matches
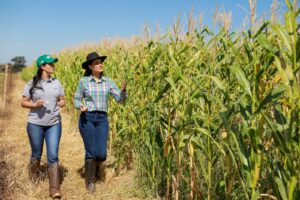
(15, 152)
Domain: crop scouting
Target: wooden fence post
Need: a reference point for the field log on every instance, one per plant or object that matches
(5, 86)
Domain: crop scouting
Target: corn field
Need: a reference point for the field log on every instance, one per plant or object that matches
(209, 115)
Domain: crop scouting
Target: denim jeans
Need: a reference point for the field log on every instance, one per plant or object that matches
(93, 127)
(51, 134)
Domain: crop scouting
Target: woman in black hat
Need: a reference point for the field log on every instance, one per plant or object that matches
(91, 98)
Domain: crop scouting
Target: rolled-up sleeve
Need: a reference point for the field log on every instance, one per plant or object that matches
(119, 95)
(26, 90)
(78, 95)
(61, 89)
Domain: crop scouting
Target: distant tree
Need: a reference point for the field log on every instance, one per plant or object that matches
(18, 63)
(2, 68)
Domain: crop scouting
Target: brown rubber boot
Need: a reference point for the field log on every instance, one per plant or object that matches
(100, 170)
(54, 184)
(34, 170)
(90, 174)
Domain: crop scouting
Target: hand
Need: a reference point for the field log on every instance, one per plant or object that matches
(123, 87)
(83, 109)
(61, 103)
(39, 103)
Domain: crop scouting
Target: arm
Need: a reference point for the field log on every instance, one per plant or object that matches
(79, 97)
(123, 92)
(119, 95)
(61, 98)
(61, 101)
(26, 103)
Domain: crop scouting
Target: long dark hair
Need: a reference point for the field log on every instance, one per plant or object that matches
(35, 80)
(87, 71)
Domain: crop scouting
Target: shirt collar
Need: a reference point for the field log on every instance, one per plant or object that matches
(103, 78)
(49, 80)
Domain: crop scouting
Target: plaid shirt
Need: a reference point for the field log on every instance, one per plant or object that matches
(94, 95)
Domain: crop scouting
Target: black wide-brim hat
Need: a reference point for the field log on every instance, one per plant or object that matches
(90, 57)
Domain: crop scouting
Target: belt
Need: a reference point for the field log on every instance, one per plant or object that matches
(97, 111)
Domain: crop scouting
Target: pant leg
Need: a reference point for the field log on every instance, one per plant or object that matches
(87, 131)
(101, 135)
(52, 137)
(36, 138)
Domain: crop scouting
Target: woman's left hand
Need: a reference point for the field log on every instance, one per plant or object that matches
(123, 87)
(61, 102)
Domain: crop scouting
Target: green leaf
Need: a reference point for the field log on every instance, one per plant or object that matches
(171, 54)
(194, 58)
(271, 96)
(196, 94)
(265, 24)
(291, 187)
(289, 5)
(281, 188)
(284, 37)
(279, 140)
(165, 89)
(243, 158)
(266, 43)
(171, 82)
(290, 24)
(216, 80)
(202, 164)
(279, 117)
(207, 133)
(240, 75)
(298, 50)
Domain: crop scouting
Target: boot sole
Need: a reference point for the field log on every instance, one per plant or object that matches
(56, 196)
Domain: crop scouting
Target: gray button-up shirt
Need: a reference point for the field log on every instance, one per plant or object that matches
(48, 114)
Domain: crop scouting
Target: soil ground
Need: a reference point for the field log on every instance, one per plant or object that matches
(15, 153)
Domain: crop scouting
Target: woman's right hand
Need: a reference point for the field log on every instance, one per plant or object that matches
(27, 103)
(83, 109)
(39, 103)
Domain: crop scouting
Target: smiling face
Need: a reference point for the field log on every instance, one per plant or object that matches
(97, 66)
(48, 68)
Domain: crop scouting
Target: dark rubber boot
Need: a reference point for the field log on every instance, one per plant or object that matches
(90, 174)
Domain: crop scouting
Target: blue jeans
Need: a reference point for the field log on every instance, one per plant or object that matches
(51, 134)
(93, 127)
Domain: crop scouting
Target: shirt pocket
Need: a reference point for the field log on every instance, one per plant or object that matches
(104, 91)
(90, 92)
(103, 94)
(38, 94)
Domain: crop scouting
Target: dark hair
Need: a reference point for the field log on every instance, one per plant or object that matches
(35, 80)
(88, 71)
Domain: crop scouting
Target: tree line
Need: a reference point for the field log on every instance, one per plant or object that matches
(17, 64)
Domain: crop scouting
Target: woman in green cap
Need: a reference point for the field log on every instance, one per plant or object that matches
(44, 95)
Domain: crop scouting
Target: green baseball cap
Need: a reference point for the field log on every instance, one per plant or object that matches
(44, 59)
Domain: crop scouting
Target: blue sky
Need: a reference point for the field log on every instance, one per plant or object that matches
(34, 27)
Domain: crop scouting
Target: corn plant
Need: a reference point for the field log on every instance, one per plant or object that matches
(210, 115)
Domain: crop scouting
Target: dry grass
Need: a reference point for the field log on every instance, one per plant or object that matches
(15, 152)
